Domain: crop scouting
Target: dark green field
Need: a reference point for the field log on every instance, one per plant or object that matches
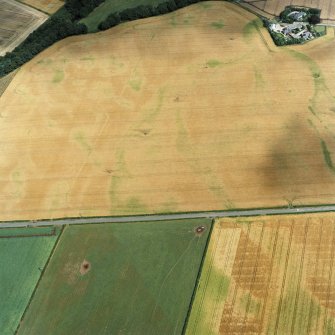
(133, 278)
(113, 6)
(21, 264)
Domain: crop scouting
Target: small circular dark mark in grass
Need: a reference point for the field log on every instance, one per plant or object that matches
(199, 230)
(85, 267)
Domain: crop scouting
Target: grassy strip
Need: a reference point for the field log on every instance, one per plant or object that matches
(198, 278)
(40, 278)
(28, 232)
(21, 263)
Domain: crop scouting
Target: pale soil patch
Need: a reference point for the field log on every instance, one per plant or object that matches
(268, 275)
(169, 114)
(48, 6)
(17, 22)
(85, 266)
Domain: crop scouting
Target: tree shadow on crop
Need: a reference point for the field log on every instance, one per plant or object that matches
(296, 168)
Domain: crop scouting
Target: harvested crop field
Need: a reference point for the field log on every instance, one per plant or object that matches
(195, 110)
(275, 7)
(48, 6)
(123, 278)
(268, 275)
(24, 253)
(17, 22)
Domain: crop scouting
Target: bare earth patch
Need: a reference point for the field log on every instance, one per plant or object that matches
(85, 267)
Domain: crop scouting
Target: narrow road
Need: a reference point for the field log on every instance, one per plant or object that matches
(176, 216)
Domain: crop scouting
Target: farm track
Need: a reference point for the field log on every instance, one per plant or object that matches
(163, 217)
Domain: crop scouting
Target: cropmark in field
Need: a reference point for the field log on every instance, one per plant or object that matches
(135, 278)
(24, 253)
(194, 110)
(267, 275)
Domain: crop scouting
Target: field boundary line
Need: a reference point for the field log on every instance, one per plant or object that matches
(197, 280)
(51, 233)
(206, 280)
(170, 216)
(39, 280)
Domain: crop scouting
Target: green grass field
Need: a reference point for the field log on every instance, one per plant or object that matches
(113, 6)
(21, 263)
(133, 278)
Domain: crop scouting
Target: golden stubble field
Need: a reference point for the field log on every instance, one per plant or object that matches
(268, 275)
(195, 110)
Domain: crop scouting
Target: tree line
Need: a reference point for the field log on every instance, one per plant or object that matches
(65, 23)
(62, 24)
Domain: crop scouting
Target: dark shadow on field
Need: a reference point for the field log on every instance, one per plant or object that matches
(295, 167)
